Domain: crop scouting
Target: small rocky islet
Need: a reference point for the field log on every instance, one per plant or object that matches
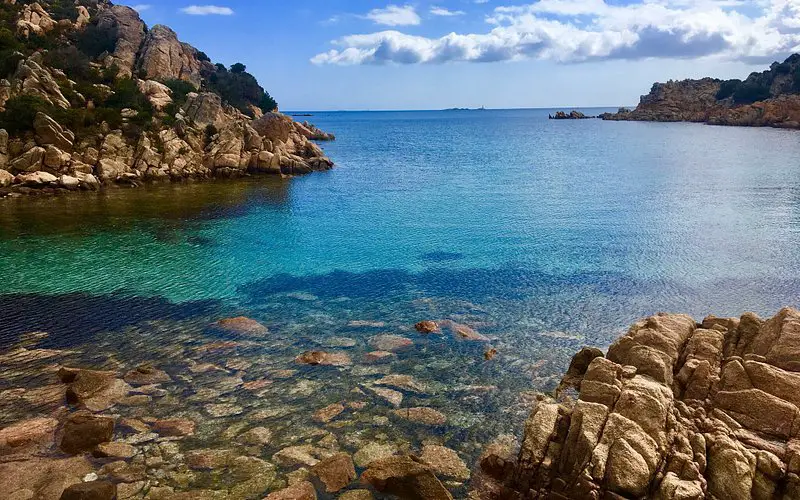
(93, 98)
(676, 410)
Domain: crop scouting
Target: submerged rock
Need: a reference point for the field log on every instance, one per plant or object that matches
(83, 431)
(174, 427)
(404, 382)
(96, 390)
(390, 395)
(242, 326)
(405, 477)
(324, 358)
(146, 375)
(444, 462)
(335, 472)
(427, 327)
(390, 343)
(94, 490)
(28, 436)
(374, 451)
(421, 415)
(325, 415)
(300, 491)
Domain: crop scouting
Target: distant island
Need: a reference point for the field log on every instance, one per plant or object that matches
(572, 115)
(90, 96)
(767, 99)
(465, 109)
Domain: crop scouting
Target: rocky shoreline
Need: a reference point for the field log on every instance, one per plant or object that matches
(767, 99)
(141, 107)
(675, 410)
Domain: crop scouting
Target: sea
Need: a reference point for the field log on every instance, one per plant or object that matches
(541, 235)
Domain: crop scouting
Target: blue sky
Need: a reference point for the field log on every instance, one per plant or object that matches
(336, 54)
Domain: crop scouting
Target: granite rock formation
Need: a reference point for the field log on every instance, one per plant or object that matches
(770, 98)
(675, 410)
(173, 123)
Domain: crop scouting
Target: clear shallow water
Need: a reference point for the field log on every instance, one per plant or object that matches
(544, 235)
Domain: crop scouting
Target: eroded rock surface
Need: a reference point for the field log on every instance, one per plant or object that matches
(675, 410)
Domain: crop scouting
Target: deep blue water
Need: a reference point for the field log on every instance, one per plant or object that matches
(573, 226)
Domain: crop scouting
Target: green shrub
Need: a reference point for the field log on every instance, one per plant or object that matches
(747, 93)
(202, 56)
(180, 89)
(20, 112)
(727, 88)
(94, 41)
(238, 68)
(9, 60)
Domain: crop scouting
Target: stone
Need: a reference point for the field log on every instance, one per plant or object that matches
(391, 343)
(300, 491)
(146, 375)
(378, 356)
(403, 382)
(274, 126)
(464, 332)
(223, 410)
(444, 462)
(163, 57)
(335, 472)
(6, 178)
(95, 490)
(174, 427)
(83, 431)
(324, 358)
(421, 415)
(257, 436)
(303, 455)
(427, 327)
(69, 182)
(390, 395)
(372, 452)
(242, 326)
(42, 478)
(325, 415)
(208, 459)
(405, 477)
(33, 19)
(356, 495)
(28, 164)
(95, 390)
(123, 25)
(28, 435)
(114, 449)
(50, 132)
(157, 93)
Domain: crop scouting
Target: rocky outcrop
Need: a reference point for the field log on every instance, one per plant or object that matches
(123, 25)
(163, 57)
(32, 78)
(572, 115)
(675, 410)
(34, 20)
(157, 93)
(767, 99)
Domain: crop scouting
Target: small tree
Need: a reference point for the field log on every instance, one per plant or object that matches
(238, 68)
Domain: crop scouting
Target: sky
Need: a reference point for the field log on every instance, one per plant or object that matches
(420, 54)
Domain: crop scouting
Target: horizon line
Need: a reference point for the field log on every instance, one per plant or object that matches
(387, 110)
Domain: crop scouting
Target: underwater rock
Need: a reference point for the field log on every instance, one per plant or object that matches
(223, 410)
(94, 490)
(257, 436)
(325, 415)
(300, 491)
(374, 451)
(174, 427)
(356, 495)
(27, 436)
(208, 459)
(114, 449)
(242, 326)
(405, 477)
(421, 415)
(390, 395)
(95, 390)
(444, 462)
(146, 375)
(378, 356)
(403, 382)
(335, 472)
(427, 327)
(83, 431)
(324, 358)
(390, 343)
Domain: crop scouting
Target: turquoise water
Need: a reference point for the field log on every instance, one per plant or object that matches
(542, 235)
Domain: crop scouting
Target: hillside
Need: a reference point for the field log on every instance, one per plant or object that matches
(91, 96)
(769, 98)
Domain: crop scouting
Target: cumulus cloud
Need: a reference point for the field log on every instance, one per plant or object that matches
(441, 11)
(571, 31)
(207, 10)
(394, 15)
(141, 7)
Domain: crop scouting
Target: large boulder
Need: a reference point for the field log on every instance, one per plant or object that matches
(33, 78)
(126, 28)
(29, 161)
(50, 132)
(42, 478)
(6, 178)
(33, 19)
(94, 390)
(157, 93)
(163, 57)
(205, 109)
(274, 126)
(83, 432)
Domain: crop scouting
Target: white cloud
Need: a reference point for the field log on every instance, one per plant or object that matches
(206, 10)
(394, 15)
(585, 30)
(441, 11)
(141, 7)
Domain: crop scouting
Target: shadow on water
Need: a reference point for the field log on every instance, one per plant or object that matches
(118, 208)
(75, 318)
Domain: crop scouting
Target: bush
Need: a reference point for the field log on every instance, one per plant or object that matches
(238, 68)
(202, 56)
(747, 93)
(240, 89)
(20, 112)
(180, 89)
(9, 60)
(727, 88)
(94, 41)
(71, 61)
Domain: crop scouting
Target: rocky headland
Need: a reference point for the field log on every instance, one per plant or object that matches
(767, 99)
(674, 410)
(572, 115)
(91, 97)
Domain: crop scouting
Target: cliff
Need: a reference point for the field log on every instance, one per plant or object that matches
(770, 98)
(674, 410)
(90, 96)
